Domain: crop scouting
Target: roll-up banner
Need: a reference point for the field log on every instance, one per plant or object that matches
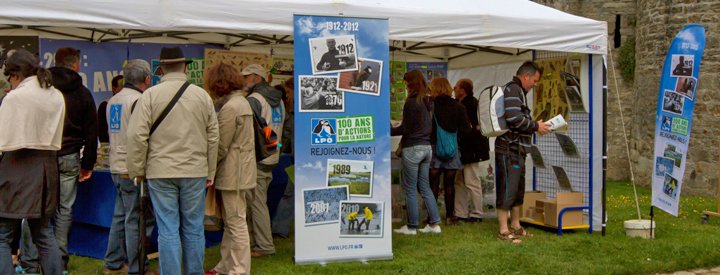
(676, 102)
(342, 139)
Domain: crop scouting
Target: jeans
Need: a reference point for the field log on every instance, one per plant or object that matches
(416, 170)
(285, 211)
(179, 205)
(69, 167)
(42, 237)
(123, 237)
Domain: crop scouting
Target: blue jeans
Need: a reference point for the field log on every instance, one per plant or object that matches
(69, 167)
(42, 237)
(179, 205)
(123, 237)
(416, 170)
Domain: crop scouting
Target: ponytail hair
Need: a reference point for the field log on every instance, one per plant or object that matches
(44, 77)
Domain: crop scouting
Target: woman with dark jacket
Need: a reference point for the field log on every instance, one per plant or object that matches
(450, 116)
(415, 129)
(29, 177)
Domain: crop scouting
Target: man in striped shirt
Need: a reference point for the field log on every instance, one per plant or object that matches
(511, 148)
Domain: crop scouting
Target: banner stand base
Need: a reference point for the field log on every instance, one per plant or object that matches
(325, 261)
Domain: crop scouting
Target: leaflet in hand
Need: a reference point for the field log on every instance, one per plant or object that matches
(556, 122)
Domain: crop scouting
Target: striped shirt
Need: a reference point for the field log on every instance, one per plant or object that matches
(517, 116)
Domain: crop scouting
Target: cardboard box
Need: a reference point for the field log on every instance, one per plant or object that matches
(528, 207)
(551, 209)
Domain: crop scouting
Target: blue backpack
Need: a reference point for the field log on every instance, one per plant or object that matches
(446, 142)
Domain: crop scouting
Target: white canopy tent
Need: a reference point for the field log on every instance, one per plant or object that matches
(465, 33)
(505, 27)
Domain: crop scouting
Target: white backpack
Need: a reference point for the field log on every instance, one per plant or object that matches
(491, 111)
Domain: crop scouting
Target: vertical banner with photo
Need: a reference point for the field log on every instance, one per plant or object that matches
(342, 139)
(676, 102)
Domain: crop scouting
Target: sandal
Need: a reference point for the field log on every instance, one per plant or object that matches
(508, 236)
(521, 232)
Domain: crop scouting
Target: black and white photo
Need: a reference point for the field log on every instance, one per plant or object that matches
(366, 80)
(333, 54)
(673, 102)
(320, 94)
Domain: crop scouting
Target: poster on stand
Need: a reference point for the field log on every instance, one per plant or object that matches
(429, 69)
(676, 103)
(342, 139)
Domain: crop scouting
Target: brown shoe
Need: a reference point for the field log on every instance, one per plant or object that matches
(451, 221)
(121, 270)
(258, 254)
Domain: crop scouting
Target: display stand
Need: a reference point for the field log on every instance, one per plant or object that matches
(576, 161)
(707, 213)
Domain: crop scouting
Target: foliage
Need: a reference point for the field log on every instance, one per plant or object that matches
(626, 60)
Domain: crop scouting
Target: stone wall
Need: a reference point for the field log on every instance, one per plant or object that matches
(654, 24)
(618, 168)
(658, 23)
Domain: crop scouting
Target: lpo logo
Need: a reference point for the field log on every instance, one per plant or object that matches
(323, 131)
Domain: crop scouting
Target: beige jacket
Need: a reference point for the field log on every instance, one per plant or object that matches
(184, 144)
(236, 150)
(119, 108)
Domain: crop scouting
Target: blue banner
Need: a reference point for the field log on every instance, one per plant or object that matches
(429, 69)
(342, 139)
(99, 63)
(676, 103)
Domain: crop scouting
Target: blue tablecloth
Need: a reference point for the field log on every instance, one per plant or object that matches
(95, 203)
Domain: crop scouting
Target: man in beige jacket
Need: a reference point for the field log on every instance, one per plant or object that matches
(178, 160)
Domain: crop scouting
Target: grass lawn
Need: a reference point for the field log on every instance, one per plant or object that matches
(681, 243)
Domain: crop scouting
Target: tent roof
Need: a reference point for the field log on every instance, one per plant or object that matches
(492, 23)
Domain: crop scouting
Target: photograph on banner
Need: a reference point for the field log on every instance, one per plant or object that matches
(320, 94)
(322, 205)
(562, 178)
(663, 166)
(537, 156)
(361, 219)
(567, 145)
(682, 65)
(672, 151)
(673, 102)
(357, 175)
(324, 131)
(333, 54)
(670, 186)
(366, 80)
(686, 86)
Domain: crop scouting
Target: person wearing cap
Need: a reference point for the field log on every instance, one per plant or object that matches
(127, 201)
(79, 132)
(266, 103)
(178, 160)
